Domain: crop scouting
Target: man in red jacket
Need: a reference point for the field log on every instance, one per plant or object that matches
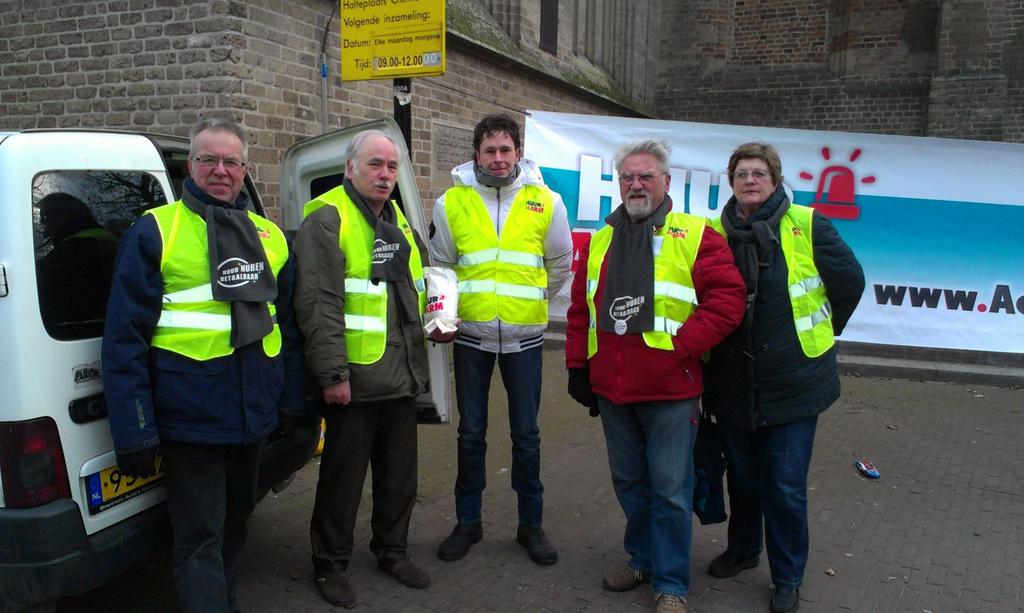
(655, 290)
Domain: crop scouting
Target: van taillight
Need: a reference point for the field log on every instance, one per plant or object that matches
(32, 463)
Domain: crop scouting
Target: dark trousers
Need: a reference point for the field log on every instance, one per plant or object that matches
(768, 494)
(383, 435)
(520, 373)
(211, 491)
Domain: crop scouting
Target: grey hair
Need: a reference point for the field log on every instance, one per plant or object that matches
(658, 148)
(218, 124)
(356, 144)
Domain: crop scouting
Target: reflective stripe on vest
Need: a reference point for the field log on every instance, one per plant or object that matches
(366, 303)
(812, 313)
(191, 322)
(674, 295)
(504, 276)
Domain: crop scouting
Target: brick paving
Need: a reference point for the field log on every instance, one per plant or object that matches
(942, 530)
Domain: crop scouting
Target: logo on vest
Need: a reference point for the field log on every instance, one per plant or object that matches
(623, 309)
(797, 231)
(676, 232)
(383, 252)
(236, 272)
(536, 207)
(262, 233)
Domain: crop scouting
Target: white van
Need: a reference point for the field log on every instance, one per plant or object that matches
(69, 521)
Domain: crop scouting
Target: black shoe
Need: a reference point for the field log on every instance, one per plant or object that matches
(457, 544)
(407, 573)
(784, 601)
(335, 589)
(728, 565)
(537, 545)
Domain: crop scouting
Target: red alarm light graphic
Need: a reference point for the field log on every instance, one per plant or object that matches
(836, 188)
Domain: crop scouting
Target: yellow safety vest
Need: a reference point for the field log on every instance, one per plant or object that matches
(192, 323)
(504, 276)
(674, 295)
(812, 312)
(366, 303)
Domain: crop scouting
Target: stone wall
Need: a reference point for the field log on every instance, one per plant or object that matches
(924, 68)
(927, 67)
(159, 65)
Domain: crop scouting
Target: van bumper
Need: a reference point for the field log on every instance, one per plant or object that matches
(46, 555)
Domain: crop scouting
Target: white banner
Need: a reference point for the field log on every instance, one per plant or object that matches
(937, 224)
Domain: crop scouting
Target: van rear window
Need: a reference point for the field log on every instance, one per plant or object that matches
(78, 218)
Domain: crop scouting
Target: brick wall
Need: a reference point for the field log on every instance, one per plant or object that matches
(928, 67)
(1014, 69)
(159, 65)
(779, 32)
(948, 68)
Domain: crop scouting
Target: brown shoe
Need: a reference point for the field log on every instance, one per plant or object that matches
(408, 574)
(335, 589)
(625, 578)
(670, 603)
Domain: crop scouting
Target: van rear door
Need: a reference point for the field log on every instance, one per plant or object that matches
(66, 199)
(317, 165)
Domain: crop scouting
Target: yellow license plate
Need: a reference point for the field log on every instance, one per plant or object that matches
(110, 487)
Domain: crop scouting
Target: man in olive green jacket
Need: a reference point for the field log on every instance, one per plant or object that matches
(369, 404)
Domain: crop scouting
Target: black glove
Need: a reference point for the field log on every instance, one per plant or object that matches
(139, 464)
(286, 424)
(580, 390)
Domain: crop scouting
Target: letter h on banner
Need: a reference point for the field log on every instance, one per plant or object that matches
(593, 186)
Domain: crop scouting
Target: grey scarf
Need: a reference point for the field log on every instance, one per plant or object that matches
(239, 270)
(485, 178)
(391, 252)
(753, 241)
(627, 305)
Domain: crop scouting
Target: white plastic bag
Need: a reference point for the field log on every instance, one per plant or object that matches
(442, 312)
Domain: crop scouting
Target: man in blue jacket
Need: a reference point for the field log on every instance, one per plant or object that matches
(200, 355)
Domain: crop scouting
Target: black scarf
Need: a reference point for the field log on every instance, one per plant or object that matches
(627, 305)
(391, 252)
(754, 240)
(239, 270)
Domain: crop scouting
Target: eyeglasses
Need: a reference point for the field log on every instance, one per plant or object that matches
(210, 162)
(645, 178)
(757, 174)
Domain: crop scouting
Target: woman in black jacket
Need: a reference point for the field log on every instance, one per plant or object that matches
(771, 378)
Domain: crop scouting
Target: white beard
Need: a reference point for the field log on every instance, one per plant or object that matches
(638, 211)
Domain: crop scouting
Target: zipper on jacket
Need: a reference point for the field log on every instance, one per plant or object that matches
(497, 227)
(688, 375)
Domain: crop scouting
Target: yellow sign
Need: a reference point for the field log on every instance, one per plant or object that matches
(390, 39)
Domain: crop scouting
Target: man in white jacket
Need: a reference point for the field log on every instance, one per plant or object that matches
(506, 235)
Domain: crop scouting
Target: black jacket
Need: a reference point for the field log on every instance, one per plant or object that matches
(759, 376)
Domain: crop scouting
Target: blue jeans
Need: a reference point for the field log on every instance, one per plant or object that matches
(768, 491)
(650, 453)
(520, 372)
(211, 491)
